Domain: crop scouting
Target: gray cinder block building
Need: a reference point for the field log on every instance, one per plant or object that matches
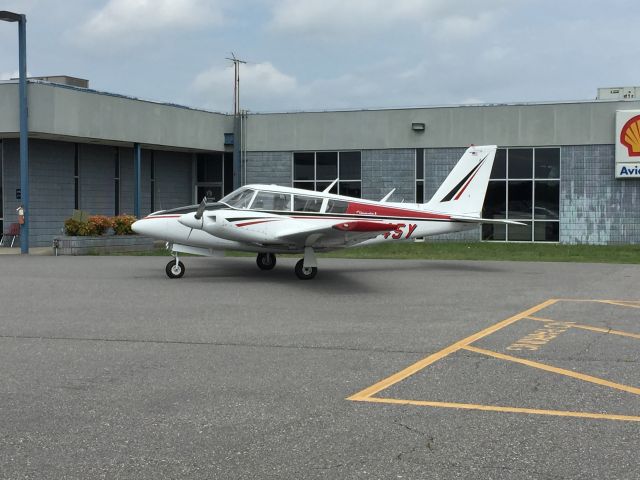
(557, 168)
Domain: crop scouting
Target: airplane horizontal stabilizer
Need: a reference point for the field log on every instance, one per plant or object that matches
(463, 218)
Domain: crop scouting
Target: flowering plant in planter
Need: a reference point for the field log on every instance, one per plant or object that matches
(122, 224)
(82, 225)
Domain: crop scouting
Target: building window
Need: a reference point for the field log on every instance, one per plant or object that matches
(316, 171)
(116, 182)
(524, 186)
(76, 177)
(420, 175)
(152, 186)
(209, 176)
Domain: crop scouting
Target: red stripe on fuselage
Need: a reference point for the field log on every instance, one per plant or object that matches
(355, 208)
(151, 217)
(255, 222)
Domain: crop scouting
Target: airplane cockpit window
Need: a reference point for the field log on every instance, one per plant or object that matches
(302, 203)
(239, 199)
(337, 206)
(272, 201)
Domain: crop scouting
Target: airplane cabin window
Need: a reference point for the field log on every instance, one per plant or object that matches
(272, 201)
(337, 206)
(239, 199)
(302, 203)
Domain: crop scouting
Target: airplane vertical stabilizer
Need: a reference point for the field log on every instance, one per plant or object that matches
(464, 189)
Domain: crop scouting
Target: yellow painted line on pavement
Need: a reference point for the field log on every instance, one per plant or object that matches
(492, 408)
(591, 328)
(425, 362)
(561, 371)
(621, 303)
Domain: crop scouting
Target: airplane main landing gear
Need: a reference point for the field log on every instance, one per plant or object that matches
(175, 268)
(266, 261)
(305, 273)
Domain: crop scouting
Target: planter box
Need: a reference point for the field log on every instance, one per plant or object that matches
(102, 244)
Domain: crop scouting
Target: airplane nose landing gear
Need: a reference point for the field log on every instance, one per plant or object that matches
(175, 268)
(266, 261)
(305, 273)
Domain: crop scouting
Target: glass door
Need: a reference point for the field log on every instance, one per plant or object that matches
(209, 176)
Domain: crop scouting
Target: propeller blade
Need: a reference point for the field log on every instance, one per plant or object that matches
(201, 208)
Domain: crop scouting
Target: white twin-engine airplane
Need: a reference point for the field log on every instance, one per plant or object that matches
(269, 219)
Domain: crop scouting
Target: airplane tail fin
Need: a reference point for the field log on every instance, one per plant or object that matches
(462, 192)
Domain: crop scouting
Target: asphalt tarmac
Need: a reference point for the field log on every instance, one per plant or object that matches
(375, 369)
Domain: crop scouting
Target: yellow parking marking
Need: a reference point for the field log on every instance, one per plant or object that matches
(621, 304)
(592, 328)
(561, 371)
(425, 362)
(495, 408)
(367, 395)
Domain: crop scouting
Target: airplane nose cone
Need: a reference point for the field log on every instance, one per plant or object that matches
(138, 227)
(151, 227)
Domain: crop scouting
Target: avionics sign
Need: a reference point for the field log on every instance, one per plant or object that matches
(628, 144)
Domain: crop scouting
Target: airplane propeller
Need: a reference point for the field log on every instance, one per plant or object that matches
(199, 213)
(201, 208)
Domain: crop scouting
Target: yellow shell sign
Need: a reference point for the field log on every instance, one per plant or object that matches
(627, 144)
(630, 136)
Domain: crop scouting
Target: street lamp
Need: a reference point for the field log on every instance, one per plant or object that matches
(24, 133)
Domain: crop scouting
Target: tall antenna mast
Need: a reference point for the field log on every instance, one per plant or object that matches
(236, 82)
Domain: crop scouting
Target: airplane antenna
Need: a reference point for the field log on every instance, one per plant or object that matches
(386, 197)
(326, 190)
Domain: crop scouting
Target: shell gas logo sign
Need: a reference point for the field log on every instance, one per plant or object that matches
(627, 144)
(630, 136)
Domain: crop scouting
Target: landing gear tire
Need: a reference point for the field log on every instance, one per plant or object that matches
(305, 273)
(266, 261)
(175, 270)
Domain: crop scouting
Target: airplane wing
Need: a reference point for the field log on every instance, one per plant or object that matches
(334, 234)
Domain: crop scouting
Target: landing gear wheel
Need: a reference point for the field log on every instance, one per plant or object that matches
(175, 270)
(305, 273)
(266, 261)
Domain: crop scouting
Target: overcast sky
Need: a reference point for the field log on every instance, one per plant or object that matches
(332, 54)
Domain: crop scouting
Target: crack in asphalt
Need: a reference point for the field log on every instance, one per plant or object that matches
(214, 344)
(429, 445)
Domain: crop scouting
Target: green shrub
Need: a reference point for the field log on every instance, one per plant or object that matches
(72, 227)
(122, 224)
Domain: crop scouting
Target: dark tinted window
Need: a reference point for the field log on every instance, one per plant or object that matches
(303, 168)
(520, 196)
(499, 169)
(520, 163)
(209, 167)
(349, 166)
(420, 163)
(326, 166)
(350, 189)
(547, 163)
(547, 195)
(495, 201)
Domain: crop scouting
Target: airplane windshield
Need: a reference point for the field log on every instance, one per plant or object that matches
(239, 199)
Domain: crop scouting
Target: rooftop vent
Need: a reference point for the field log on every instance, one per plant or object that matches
(63, 80)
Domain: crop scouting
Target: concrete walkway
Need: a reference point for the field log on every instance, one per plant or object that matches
(32, 251)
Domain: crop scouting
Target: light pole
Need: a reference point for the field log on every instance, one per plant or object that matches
(24, 132)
